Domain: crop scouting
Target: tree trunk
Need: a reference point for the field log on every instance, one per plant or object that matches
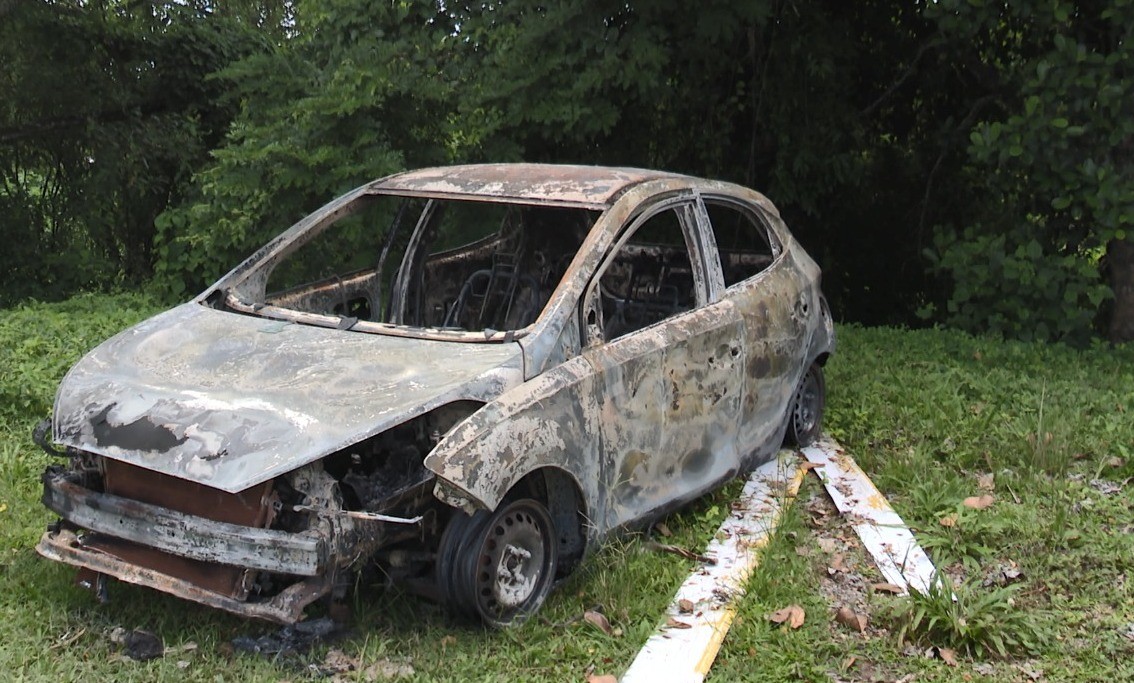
(1120, 265)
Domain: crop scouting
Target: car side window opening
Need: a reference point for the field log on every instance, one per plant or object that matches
(462, 265)
(745, 242)
(650, 276)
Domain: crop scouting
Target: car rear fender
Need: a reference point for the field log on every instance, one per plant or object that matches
(549, 421)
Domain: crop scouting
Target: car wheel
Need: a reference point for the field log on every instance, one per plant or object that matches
(805, 417)
(498, 567)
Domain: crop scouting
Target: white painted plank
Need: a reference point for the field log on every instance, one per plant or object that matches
(882, 531)
(685, 654)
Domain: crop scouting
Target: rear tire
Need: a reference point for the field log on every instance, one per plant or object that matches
(805, 416)
(498, 567)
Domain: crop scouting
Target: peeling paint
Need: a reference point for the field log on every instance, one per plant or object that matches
(583, 349)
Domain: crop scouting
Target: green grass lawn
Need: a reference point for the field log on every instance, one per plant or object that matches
(1043, 574)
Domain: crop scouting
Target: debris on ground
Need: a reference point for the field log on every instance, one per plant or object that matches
(137, 644)
(289, 639)
(1002, 574)
(683, 552)
(342, 667)
(1106, 487)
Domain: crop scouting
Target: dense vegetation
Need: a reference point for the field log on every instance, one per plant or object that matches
(935, 416)
(958, 161)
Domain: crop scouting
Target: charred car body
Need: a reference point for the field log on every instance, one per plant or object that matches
(467, 376)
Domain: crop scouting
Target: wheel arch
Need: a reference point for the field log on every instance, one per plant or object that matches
(562, 494)
(548, 423)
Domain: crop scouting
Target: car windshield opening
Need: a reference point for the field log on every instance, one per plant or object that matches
(428, 263)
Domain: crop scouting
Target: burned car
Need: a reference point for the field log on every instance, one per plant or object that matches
(465, 377)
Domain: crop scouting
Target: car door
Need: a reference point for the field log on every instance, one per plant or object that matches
(668, 364)
(770, 295)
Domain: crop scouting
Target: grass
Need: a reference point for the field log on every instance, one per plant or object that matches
(929, 414)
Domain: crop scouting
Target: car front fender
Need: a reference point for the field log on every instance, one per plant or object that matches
(549, 421)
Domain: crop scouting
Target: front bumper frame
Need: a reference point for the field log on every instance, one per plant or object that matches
(177, 533)
(306, 554)
(286, 607)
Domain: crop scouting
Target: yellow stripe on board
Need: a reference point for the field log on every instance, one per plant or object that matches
(687, 654)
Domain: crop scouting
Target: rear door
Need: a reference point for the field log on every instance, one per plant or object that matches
(771, 298)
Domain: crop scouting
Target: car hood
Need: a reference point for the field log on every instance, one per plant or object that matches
(230, 400)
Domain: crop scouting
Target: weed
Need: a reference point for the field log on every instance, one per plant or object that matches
(981, 623)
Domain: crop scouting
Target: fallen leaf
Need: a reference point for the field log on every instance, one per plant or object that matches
(448, 640)
(949, 521)
(808, 466)
(837, 563)
(979, 502)
(848, 663)
(677, 623)
(601, 678)
(891, 588)
(947, 655)
(598, 620)
(827, 545)
(663, 529)
(851, 619)
(792, 615)
(1115, 462)
(686, 606)
(986, 482)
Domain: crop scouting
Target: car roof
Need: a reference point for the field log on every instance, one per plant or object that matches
(593, 186)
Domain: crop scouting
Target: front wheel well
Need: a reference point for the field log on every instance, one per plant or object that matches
(559, 491)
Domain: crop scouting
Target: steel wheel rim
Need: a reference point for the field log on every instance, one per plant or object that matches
(805, 412)
(512, 563)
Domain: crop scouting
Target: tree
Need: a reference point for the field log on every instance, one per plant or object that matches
(106, 109)
(359, 90)
(1051, 160)
(797, 99)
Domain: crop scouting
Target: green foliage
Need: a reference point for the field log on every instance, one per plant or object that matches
(922, 411)
(106, 110)
(1007, 285)
(763, 93)
(970, 540)
(1050, 162)
(39, 342)
(984, 401)
(359, 91)
(978, 622)
(968, 160)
